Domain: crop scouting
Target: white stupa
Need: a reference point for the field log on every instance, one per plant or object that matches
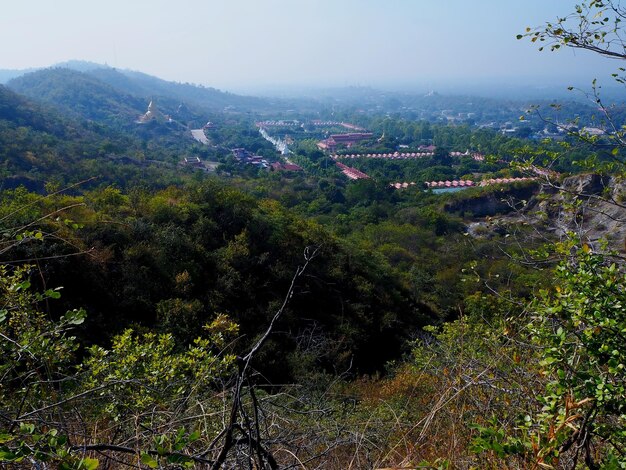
(151, 114)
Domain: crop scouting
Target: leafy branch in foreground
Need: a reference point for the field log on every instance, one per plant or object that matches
(135, 398)
(594, 26)
(578, 329)
(581, 326)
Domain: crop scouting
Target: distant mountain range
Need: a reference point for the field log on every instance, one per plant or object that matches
(120, 92)
(123, 94)
(116, 98)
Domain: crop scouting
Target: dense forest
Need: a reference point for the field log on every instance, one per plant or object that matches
(432, 294)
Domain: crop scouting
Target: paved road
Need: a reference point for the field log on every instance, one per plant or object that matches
(198, 134)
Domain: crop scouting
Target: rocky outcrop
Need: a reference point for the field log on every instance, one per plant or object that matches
(591, 206)
(499, 202)
(589, 184)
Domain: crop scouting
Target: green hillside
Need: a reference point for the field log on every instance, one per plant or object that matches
(353, 279)
(40, 142)
(79, 94)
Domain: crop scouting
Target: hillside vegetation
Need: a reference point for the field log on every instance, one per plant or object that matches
(411, 294)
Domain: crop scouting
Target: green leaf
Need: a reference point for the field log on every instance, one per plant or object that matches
(177, 459)
(24, 285)
(88, 464)
(52, 294)
(75, 317)
(7, 456)
(148, 460)
(27, 428)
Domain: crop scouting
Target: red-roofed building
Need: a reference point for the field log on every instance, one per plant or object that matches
(347, 140)
(351, 138)
(277, 166)
(351, 173)
(327, 144)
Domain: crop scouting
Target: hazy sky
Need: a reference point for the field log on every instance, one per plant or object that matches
(242, 44)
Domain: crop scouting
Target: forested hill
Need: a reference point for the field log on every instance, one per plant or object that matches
(174, 259)
(67, 84)
(40, 143)
(37, 142)
(17, 110)
(79, 94)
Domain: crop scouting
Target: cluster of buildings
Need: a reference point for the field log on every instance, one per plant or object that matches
(402, 185)
(491, 181)
(314, 123)
(447, 184)
(248, 158)
(479, 157)
(395, 155)
(464, 183)
(279, 123)
(320, 123)
(404, 155)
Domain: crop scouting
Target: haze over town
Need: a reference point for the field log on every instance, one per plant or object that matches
(268, 46)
